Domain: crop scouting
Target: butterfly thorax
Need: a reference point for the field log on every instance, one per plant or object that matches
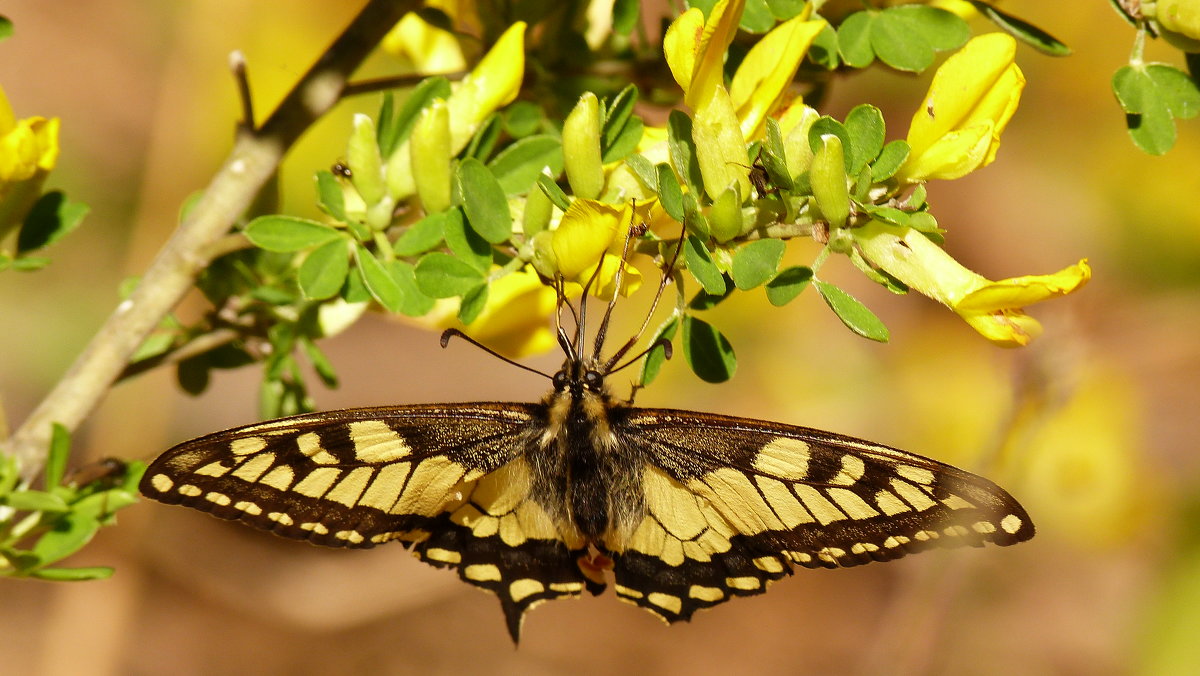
(586, 477)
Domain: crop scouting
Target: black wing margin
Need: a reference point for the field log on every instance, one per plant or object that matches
(733, 504)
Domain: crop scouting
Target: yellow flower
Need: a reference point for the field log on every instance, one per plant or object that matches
(991, 308)
(593, 233)
(760, 84)
(493, 83)
(970, 101)
(695, 49)
(28, 151)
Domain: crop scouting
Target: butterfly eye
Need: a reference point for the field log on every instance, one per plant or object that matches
(561, 380)
(592, 380)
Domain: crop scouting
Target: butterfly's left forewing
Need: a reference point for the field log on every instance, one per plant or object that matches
(448, 479)
(732, 504)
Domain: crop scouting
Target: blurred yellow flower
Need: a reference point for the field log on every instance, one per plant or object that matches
(991, 308)
(514, 319)
(28, 152)
(426, 47)
(970, 101)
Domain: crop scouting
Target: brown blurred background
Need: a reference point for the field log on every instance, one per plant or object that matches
(1093, 427)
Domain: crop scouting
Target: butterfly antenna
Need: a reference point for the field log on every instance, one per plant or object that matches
(455, 333)
(668, 275)
(618, 279)
(664, 343)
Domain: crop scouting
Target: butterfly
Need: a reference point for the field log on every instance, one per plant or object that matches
(532, 502)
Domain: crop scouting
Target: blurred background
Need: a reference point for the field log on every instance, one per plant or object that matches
(1093, 427)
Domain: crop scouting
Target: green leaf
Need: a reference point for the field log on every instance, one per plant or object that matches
(6, 28)
(788, 284)
(522, 118)
(1176, 88)
(71, 532)
(853, 314)
(658, 356)
(60, 451)
(34, 501)
(518, 166)
(192, 375)
(827, 125)
(683, 151)
(700, 263)
(414, 302)
(440, 275)
(287, 234)
(73, 574)
(824, 49)
(641, 167)
(421, 96)
(377, 280)
(889, 160)
(626, 143)
(757, 17)
(708, 351)
(319, 361)
(466, 244)
(30, 263)
(425, 234)
(484, 201)
(619, 112)
(854, 40)
(472, 304)
(484, 141)
(550, 188)
(385, 123)
(786, 9)
(670, 195)
(906, 37)
(1022, 30)
(704, 300)
(625, 16)
(50, 219)
(866, 128)
(329, 195)
(324, 270)
(756, 262)
(773, 157)
(1150, 106)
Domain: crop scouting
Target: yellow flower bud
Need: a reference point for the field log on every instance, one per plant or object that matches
(581, 148)
(431, 156)
(427, 48)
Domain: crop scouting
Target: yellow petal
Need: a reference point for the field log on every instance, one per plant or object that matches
(954, 155)
(680, 44)
(708, 73)
(761, 80)
(492, 84)
(605, 284)
(513, 321)
(1022, 291)
(428, 48)
(7, 118)
(1005, 328)
(585, 232)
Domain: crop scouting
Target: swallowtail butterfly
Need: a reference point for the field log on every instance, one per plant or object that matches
(537, 501)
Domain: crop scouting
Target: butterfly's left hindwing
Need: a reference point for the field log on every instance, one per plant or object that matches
(732, 504)
(448, 479)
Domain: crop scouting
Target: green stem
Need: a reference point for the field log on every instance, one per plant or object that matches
(253, 160)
